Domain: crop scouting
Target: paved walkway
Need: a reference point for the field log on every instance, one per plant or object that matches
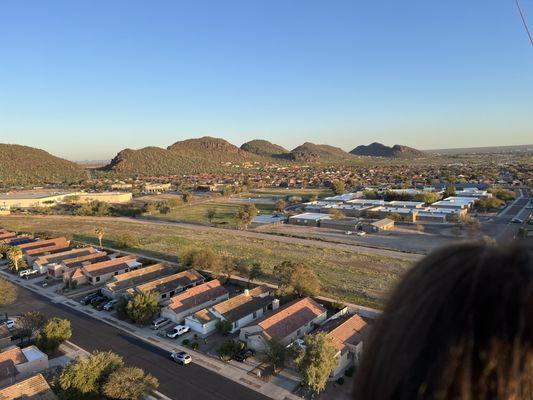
(279, 388)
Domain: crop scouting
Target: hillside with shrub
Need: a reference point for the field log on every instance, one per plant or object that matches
(23, 165)
(264, 148)
(310, 152)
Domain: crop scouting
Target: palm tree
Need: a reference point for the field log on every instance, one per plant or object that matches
(100, 233)
(14, 254)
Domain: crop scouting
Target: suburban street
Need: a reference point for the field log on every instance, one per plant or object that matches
(177, 382)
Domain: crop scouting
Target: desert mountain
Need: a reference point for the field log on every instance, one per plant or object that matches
(380, 150)
(22, 165)
(309, 152)
(188, 156)
(264, 148)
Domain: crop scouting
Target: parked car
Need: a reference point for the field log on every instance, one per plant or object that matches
(348, 233)
(243, 355)
(97, 300)
(27, 272)
(361, 233)
(181, 357)
(109, 305)
(178, 330)
(10, 324)
(517, 221)
(158, 323)
(87, 299)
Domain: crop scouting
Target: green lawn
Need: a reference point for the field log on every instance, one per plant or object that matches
(347, 275)
(224, 212)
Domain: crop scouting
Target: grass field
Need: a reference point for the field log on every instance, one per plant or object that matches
(225, 210)
(280, 192)
(347, 275)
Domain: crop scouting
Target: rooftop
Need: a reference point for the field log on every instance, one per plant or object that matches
(246, 303)
(196, 296)
(109, 266)
(33, 388)
(290, 318)
(172, 282)
(311, 216)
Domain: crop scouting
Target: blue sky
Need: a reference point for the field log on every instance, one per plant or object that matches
(85, 79)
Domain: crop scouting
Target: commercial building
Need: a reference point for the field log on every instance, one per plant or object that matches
(307, 219)
(106, 197)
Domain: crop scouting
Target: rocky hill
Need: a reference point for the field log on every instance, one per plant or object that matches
(264, 148)
(380, 150)
(23, 165)
(188, 156)
(310, 152)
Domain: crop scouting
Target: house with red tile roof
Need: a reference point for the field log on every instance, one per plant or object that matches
(194, 299)
(17, 363)
(288, 323)
(347, 336)
(32, 388)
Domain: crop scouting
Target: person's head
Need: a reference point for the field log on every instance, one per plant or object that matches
(458, 326)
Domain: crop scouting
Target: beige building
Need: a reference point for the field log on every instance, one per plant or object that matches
(106, 197)
(37, 198)
(156, 187)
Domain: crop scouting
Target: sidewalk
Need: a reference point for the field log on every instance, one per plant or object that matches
(279, 388)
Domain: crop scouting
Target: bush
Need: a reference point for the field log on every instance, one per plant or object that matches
(229, 348)
(126, 240)
(340, 381)
(185, 342)
(194, 345)
(224, 327)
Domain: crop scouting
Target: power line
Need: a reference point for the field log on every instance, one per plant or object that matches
(523, 17)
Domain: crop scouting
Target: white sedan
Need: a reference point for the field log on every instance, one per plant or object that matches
(181, 357)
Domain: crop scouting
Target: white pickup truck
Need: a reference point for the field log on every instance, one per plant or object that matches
(28, 272)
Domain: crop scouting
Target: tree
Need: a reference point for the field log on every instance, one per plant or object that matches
(335, 213)
(187, 197)
(224, 326)
(226, 265)
(245, 215)
(129, 383)
(142, 307)
(297, 278)
(449, 191)
(280, 205)
(199, 258)
(255, 271)
(338, 187)
(55, 332)
(100, 234)
(9, 292)
(317, 361)
(14, 254)
(275, 354)
(85, 377)
(227, 191)
(150, 208)
(211, 214)
(29, 323)
(394, 216)
(429, 197)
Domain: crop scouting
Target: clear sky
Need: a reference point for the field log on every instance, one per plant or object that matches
(85, 79)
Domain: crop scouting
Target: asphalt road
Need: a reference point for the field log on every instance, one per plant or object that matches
(177, 382)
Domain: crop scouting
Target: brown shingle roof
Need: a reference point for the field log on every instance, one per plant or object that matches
(65, 255)
(58, 248)
(107, 267)
(196, 296)
(350, 332)
(43, 243)
(172, 282)
(33, 388)
(290, 318)
(244, 304)
(90, 258)
(138, 276)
